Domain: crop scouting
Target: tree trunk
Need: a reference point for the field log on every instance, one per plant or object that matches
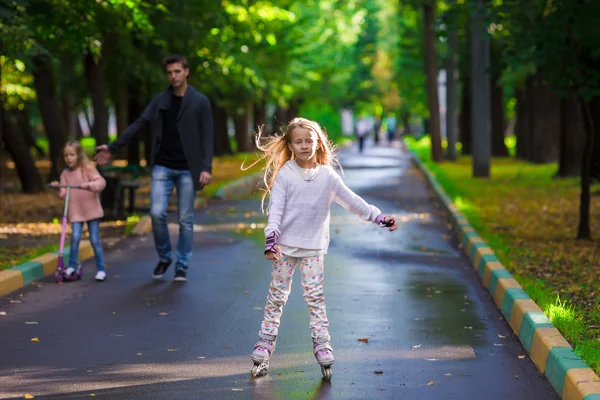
(31, 181)
(481, 95)
(222, 144)
(70, 113)
(583, 229)
(121, 102)
(451, 69)
(464, 130)
(498, 118)
(572, 137)
(24, 127)
(545, 129)
(292, 111)
(521, 123)
(406, 123)
(134, 110)
(242, 137)
(595, 111)
(95, 81)
(279, 119)
(259, 115)
(431, 78)
(50, 110)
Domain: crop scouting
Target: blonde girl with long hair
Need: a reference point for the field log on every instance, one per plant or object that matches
(84, 205)
(302, 184)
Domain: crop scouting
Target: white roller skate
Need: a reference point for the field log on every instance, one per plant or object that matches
(263, 349)
(324, 355)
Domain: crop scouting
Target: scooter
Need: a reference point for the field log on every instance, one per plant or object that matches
(60, 275)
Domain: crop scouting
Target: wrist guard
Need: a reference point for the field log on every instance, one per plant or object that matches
(270, 242)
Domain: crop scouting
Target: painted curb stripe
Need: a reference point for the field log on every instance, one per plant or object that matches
(480, 252)
(510, 296)
(475, 243)
(544, 340)
(581, 383)
(23, 274)
(31, 271)
(483, 260)
(561, 360)
(502, 285)
(495, 275)
(521, 307)
(531, 322)
(489, 268)
(10, 281)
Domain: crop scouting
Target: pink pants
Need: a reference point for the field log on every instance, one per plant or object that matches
(312, 285)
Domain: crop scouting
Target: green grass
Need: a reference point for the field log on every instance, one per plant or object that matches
(517, 240)
(24, 254)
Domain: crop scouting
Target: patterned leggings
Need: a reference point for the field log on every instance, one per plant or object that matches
(312, 284)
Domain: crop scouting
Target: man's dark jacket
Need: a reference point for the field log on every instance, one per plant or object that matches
(194, 123)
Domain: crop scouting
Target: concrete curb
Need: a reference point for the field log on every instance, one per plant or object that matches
(554, 357)
(241, 187)
(23, 274)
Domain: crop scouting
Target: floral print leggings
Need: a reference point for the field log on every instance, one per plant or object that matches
(312, 285)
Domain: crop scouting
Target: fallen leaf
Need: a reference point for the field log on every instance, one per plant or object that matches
(28, 396)
(365, 340)
(430, 383)
(501, 336)
(419, 319)
(163, 313)
(15, 301)
(237, 389)
(378, 371)
(448, 374)
(201, 357)
(498, 344)
(416, 346)
(247, 292)
(468, 327)
(171, 349)
(138, 353)
(2, 312)
(228, 346)
(35, 340)
(31, 323)
(521, 357)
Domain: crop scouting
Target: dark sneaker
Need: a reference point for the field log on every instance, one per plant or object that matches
(180, 276)
(160, 269)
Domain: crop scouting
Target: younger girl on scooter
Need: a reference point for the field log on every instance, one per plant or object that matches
(84, 205)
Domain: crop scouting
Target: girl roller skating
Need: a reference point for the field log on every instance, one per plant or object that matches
(302, 185)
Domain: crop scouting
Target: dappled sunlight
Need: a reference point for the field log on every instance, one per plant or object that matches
(44, 381)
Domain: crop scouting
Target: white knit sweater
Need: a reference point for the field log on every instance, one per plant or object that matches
(299, 210)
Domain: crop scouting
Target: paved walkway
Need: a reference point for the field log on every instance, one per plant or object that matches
(433, 331)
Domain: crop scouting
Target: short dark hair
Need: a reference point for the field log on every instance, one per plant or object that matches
(176, 58)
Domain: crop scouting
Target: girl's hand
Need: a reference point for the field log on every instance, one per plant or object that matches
(392, 221)
(269, 255)
(86, 186)
(54, 185)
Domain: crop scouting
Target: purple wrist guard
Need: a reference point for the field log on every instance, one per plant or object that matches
(381, 220)
(270, 242)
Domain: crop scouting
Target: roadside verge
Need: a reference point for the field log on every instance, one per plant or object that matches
(554, 357)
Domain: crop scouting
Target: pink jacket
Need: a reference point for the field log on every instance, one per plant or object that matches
(84, 205)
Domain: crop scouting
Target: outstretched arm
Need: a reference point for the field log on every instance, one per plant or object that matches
(276, 209)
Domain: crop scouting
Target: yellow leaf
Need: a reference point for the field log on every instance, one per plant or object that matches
(448, 374)
(521, 357)
(430, 383)
(365, 340)
(35, 339)
(501, 336)
(28, 396)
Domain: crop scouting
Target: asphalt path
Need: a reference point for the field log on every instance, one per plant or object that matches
(433, 331)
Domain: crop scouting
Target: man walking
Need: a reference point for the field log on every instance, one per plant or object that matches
(181, 124)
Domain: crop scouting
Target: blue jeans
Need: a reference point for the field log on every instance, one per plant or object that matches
(163, 181)
(94, 229)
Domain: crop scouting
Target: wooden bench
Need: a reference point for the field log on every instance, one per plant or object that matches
(119, 181)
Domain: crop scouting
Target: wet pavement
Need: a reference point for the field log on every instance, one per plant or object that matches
(433, 332)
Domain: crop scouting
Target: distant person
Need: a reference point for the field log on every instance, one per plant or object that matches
(391, 124)
(363, 127)
(302, 184)
(181, 123)
(84, 205)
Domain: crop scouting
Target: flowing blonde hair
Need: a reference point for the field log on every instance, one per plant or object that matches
(82, 160)
(276, 151)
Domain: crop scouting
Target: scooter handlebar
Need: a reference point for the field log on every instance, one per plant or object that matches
(65, 186)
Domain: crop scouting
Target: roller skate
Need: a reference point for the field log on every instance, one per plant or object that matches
(324, 355)
(263, 349)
